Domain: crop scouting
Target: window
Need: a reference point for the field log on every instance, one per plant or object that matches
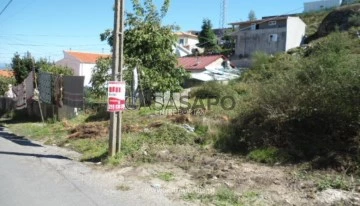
(273, 38)
(181, 41)
(272, 23)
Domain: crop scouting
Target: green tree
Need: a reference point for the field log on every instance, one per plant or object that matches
(54, 69)
(148, 45)
(100, 75)
(22, 66)
(252, 15)
(208, 38)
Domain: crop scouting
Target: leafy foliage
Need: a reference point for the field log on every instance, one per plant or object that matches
(100, 75)
(149, 47)
(252, 15)
(207, 38)
(307, 105)
(211, 89)
(4, 84)
(22, 66)
(55, 69)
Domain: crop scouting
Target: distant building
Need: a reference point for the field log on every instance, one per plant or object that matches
(207, 68)
(270, 35)
(187, 44)
(82, 63)
(321, 5)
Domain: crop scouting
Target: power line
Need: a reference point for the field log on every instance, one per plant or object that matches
(7, 5)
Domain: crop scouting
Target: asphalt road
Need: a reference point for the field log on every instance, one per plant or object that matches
(36, 175)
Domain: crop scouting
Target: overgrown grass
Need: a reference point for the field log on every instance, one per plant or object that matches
(166, 176)
(306, 105)
(225, 196)
(268, 156)
(324, 180)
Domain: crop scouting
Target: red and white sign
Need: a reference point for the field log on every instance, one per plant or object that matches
(116, 96)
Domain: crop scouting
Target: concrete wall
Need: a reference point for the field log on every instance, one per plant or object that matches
(70, 62)
(295, 32)
(264, 24)
(321, 5)
(249, 42)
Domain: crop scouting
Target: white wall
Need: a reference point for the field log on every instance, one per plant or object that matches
(295, 32)
(86, 71)
(216, 64)
(320, 5)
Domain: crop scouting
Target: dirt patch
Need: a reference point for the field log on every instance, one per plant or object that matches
(205, 171)
(89, 130)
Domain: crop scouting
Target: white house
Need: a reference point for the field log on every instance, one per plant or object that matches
(269, 35)
(321, 5)
(82, 63)
(186, 44)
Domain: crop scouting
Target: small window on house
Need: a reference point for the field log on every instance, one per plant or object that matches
(273, 38)
(181, 41)
(272, 23)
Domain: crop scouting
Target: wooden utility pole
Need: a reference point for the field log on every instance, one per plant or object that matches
(118, 62)
(120, 68)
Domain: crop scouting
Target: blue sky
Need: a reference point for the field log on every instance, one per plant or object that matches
(47, 27)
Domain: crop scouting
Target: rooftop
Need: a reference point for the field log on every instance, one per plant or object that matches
(260, 20)
(198, 63)
(85, 57)
(6, 73)
(187, 34)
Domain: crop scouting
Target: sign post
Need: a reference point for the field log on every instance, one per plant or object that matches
(116, 96)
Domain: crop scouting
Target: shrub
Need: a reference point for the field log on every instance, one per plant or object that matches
(212, 89)
(310, 109)
(4, 84)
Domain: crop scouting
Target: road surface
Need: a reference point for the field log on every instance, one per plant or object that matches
(32, 174)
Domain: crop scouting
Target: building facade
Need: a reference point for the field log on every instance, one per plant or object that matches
(82, 63)
(270, 35)
(321, 5)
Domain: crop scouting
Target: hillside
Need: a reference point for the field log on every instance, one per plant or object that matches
(342, 19)
(313, 21)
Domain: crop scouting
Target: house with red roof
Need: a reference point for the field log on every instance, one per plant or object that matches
(82, 63)
(208, 68)
(7, 73)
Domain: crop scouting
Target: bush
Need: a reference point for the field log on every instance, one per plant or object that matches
(212, 90)
(268, 155)
(308, 110)
(4, 84)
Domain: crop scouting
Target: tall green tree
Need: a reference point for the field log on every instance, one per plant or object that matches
(148, 45)
(207, 38)
(252, 15)
(22, 66)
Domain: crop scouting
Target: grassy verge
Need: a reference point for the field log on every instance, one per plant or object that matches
(224, 196)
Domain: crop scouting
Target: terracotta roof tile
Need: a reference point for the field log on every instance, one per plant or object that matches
(198, 63)
(87, 57)
(6, 73)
